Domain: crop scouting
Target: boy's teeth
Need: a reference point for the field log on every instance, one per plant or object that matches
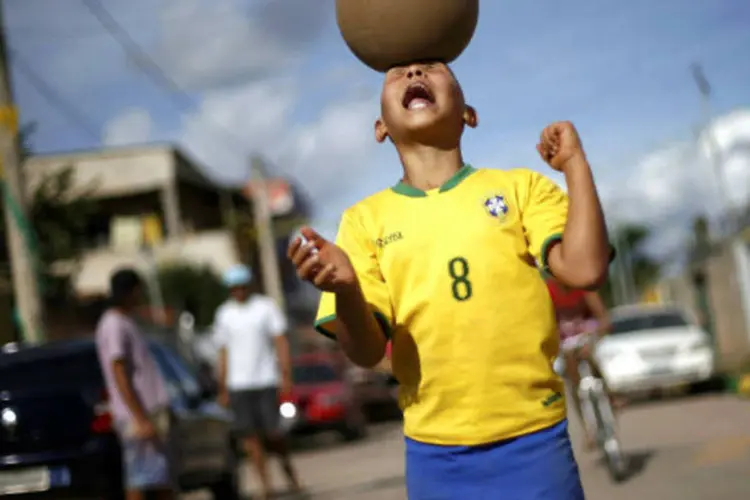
(418, 103)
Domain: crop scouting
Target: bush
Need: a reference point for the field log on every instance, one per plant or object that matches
(194, 289)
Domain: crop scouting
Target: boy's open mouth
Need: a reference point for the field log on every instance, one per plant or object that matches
(417, 96)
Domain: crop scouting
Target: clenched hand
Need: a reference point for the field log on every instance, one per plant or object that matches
(559, 143)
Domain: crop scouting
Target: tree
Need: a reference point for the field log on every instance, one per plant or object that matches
(194, 289)
(58, 218)
(645, 269)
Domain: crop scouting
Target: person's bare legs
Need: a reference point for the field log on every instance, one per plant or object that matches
(165, 494)
(135, 495)
(254, 448)
(614, 401)
(280, 445)
(574, 378)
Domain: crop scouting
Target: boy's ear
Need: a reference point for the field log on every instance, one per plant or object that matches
(471, 118)
(381, 131)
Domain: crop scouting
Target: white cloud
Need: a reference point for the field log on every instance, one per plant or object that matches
(132, 127)
(325, 156)
(206, 43)
(209, 44)
(671, 186)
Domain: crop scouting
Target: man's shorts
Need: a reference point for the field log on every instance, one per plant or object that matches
(537, 466)
(256, 412)
(147, 464)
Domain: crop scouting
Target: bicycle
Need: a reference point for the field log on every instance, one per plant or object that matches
(598, 415)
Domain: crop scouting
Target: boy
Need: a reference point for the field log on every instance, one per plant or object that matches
(138, 394)
(470, 319)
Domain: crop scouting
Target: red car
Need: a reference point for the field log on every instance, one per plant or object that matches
(322, 399)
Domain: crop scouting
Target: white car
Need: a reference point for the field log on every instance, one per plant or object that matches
(654, 348)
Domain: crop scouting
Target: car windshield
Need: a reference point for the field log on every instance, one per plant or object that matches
(651, 321)
(49, 371)
(314, 374)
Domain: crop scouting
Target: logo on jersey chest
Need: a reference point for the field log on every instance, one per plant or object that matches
(388, 239)
(496, 206)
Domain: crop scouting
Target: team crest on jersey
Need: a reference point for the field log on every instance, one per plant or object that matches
(496, 206)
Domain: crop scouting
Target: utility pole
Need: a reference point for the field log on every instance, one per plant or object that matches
(269, 262)
(23, 268)
(714, 153)
(623, 288)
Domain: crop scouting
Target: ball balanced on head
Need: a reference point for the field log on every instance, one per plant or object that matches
(387, 33)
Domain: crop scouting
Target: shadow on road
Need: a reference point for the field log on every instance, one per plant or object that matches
(716, 385)
(637, 463)
(332, 440)
(380, 484)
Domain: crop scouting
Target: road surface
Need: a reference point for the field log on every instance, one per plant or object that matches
(685, 449)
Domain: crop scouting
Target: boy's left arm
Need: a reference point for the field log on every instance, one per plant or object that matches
(579, 256)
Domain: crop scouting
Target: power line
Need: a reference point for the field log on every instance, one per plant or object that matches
(53, 97)
(148, 66)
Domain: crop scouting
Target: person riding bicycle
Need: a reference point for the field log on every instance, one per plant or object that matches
(580, 314)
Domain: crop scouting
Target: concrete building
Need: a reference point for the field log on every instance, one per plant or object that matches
(716, 287)
(156, 207)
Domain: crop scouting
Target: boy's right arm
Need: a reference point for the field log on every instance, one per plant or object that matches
(357, 330)
(221, 339)
(143, 427)
(116, 354)
(355, 306)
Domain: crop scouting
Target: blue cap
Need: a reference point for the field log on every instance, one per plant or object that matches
(238, 275)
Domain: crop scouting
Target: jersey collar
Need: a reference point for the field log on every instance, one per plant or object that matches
(412, 192)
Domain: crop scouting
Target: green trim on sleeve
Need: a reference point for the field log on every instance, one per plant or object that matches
(385, 325)
(379, 317)
(556, 238)
(323, 331)
(612, 253)
(546, 247)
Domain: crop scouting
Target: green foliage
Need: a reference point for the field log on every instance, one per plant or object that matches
(194, 289)
(645, 269)
(58, 216)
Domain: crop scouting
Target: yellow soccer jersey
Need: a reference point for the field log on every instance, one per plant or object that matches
(452, 276)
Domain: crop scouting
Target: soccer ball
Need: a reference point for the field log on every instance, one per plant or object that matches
(386, 33)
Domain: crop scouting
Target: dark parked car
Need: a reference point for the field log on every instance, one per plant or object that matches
(56, 437)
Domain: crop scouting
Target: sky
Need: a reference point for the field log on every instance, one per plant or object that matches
(274, 77)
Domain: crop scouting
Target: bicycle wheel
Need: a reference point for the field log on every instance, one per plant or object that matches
(607, 436)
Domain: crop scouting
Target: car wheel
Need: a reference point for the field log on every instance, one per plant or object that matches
(228, 487)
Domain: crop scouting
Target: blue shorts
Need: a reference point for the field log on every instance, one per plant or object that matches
(538, 466)
(146, 465)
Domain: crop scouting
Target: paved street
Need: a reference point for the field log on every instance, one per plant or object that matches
(688, 449)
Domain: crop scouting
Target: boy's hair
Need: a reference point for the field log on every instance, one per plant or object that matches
(122, 284)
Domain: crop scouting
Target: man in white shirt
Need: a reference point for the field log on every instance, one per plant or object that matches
(254, 369)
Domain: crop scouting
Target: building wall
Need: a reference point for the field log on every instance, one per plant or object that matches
(724, 300)
(106, 173)
(679, 290)
(200, 208)
(215, 249)
(727, 305)
(99, 231)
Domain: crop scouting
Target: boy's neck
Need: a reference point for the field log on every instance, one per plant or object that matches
(427, 167)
